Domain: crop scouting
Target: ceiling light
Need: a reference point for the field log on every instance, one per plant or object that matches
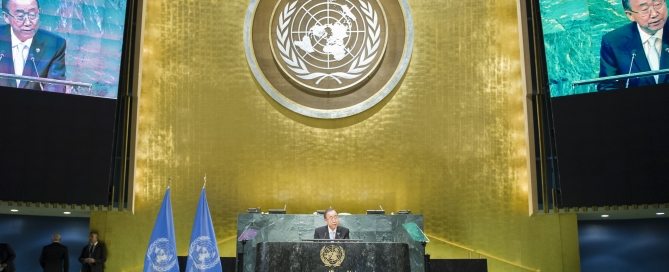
(605, 215)
(14, 210)
(67, 212)
(659, 213)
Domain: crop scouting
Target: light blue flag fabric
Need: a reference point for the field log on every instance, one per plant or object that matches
(203, 250)
(162, 252)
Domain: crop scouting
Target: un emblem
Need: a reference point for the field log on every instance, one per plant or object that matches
(203, 253)
(332, 255)
(328, 58)
(329, 46)
(161, 256)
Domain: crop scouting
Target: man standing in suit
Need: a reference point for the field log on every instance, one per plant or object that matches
(93, 255)
(54, 257)
(638, 46)
(332, 230)
(7, 257)
(27, 50)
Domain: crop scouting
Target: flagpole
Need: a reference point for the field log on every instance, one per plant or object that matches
(203, 254)
(161, 253)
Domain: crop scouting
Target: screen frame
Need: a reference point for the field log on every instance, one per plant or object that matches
(128, 106)
(121, 123)
(546, 184)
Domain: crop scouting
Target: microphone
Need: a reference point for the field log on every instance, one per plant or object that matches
(32, 58)
(627, 82)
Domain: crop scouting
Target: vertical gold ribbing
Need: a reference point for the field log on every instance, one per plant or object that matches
(450, 143)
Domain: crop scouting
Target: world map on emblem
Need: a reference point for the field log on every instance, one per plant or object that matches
(203, 253)
(161, 255)
(329, 45)
(328, 59)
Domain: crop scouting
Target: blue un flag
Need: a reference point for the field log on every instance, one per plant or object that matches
(203, 250)
(162, 252)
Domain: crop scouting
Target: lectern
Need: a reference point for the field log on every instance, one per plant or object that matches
(287, 235)
(332, 256)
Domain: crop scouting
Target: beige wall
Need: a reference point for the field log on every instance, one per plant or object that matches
(450, 143)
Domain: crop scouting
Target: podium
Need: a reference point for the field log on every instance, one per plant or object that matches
(625, 78)
(332, 256)
(44, 82)
(264, 234)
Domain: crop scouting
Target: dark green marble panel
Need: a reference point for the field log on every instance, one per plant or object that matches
(348, 256)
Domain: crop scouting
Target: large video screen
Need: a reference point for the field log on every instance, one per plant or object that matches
(71, 47)
(608, 137)
(591, 39)
(65, 117)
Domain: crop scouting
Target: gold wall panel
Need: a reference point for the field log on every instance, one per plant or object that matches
(450, 143)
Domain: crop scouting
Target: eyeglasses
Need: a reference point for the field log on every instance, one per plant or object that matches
(657, 5)
(22, 16)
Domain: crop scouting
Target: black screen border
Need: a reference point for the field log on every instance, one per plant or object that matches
(555, 188)
(113, 125)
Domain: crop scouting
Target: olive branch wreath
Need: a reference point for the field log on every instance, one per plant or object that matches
(359, 65)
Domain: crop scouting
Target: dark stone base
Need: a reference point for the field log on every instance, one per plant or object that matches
(332, 256)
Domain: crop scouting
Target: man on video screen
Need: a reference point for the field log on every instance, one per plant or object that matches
(636, 47)
(27, 50)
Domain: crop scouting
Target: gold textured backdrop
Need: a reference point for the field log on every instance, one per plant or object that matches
(450, 143)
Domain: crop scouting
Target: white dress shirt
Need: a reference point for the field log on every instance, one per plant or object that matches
(648, 48)
(19, 54)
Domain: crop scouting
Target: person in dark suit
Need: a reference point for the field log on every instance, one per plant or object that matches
(54, 257)
(27, 50)
(93, 255)
(639, 46)
(332, 230)
(7, 257)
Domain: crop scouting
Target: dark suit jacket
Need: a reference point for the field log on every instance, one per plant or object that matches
(616, 52)
(99, 254)
(55, 258)
(322, 233)
(48, 52)
(7, 256)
